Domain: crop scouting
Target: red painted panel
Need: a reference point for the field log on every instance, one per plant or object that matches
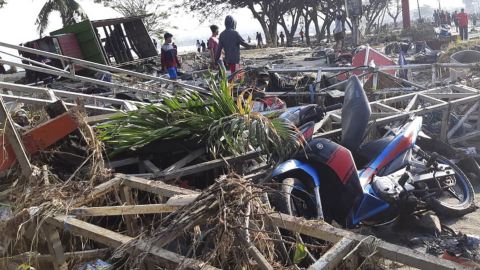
(38, 138)
(69, 45)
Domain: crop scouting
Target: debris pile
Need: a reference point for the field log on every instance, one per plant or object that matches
(279, 164)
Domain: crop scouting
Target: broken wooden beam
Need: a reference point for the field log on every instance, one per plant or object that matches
(164, 258)
(205, 166)
(322, 230)
(97, 192)
(104, 211)
(15, 144)
(334, 256)
(155, 187)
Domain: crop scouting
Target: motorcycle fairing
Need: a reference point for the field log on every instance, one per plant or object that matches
(369, 206)
(292, 165)
(401, 143)
(335, 156)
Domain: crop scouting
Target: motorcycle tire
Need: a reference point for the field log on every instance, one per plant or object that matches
(468, 203)
(289, 197)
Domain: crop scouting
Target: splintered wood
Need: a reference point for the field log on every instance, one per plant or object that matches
(347, 246)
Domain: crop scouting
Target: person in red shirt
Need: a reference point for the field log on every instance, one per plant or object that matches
(169, 58)
(212, 45)
(463, 24)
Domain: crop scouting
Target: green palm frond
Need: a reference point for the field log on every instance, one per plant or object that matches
(225, 125)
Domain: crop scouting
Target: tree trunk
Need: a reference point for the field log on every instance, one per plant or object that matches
(262, 20)
(314, 17)
(308, 21)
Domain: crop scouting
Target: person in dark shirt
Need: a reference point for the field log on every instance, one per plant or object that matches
(212, 45)
(230, 41)
(169, 58)
(282, 38)
(204, 46)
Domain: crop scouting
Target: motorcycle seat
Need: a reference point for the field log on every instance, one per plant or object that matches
(367, 152)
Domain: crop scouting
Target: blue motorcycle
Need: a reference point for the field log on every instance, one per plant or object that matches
(354, 183)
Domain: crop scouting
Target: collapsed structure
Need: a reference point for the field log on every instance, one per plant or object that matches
(188, 188)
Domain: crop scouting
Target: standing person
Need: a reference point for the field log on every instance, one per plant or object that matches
(474, 19)
(455, 20)
(338, 33)
(259, 40)
(443, 18)
(203, 46)
(436, 17)
(199, 46)
(230, 41)
(2, 68)
(249, 40)
(302, 34)
(449, 19)
(463, 24)
(212, 45)
(282, 38)
(169, 58)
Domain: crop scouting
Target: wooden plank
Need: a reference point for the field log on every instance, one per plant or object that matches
(84, 255)
(322, 230)
(97, 192)
(123, 162)
(15, 141)
(448, 95)
(205, 166)
(113, 239)
(104, 211)
(403, 115)
(334, 256)
(462, 120)
(155, 187)
(151, 167)
(55, 247)
(465, 137)
(412, 103)
(431, 99)
(445, 124)
(383, 107)
(184, 161)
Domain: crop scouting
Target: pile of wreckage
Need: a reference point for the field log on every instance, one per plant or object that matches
(113, 167)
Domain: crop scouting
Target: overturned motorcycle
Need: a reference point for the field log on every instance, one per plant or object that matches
(395, 175)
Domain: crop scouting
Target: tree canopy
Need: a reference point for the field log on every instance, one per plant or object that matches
(70, 11)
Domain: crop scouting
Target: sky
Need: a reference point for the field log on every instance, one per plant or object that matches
(17, 20)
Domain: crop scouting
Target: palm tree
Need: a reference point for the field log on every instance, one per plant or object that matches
(225, 125)
(70, 12)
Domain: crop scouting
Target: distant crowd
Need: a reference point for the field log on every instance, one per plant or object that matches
(459, 19)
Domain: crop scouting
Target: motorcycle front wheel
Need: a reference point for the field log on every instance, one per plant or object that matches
(457, 195)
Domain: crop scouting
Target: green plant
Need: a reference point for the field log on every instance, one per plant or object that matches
(226, 125)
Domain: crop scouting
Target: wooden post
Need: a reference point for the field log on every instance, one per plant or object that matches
(55, 247)
(15, 141)
(375, 81)
(444, 126)
(127, 198)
